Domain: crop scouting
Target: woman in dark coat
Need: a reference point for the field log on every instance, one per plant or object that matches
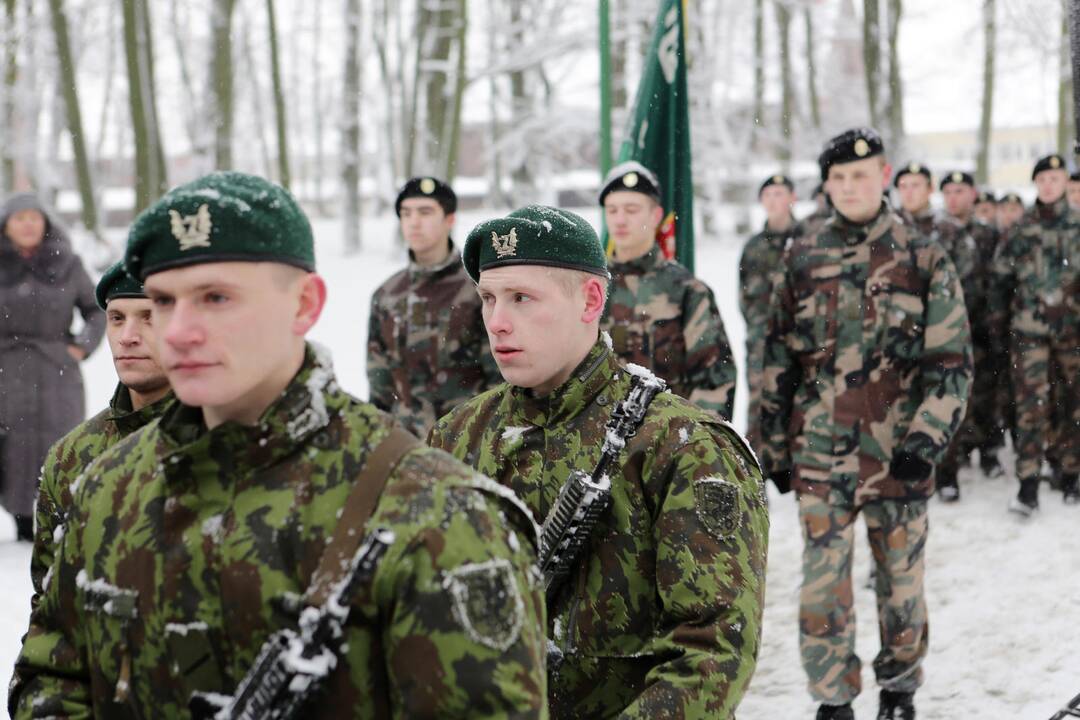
(42, 281)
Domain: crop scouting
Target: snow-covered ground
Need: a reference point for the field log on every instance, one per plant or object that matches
(1004, 595)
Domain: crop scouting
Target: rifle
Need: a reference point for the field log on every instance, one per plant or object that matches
(292, 666)
(584, 498)
(1070, 710)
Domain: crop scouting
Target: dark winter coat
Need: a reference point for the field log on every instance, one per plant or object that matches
(41, 388)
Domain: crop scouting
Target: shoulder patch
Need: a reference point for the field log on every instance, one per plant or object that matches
(716, 502)
(486, 602)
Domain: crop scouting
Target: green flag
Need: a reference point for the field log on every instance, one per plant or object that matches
(658, 135)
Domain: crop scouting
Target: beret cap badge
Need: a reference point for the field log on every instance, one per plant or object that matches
(630, 179)
(957, 177)
(914, 167)
(191, 231)
(427, 186)
(777, 179)
(505, 245)
(1055, 162)
(861, 148)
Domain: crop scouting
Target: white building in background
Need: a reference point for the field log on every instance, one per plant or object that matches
(1013, 152)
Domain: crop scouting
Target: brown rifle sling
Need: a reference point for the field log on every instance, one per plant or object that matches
(359, 507)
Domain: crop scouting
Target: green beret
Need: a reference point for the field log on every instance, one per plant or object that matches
(632, 176)
(777, 179)
(1050, 162)
(535, 235)
(221, 217)
(116, 283)
(428, 187)
(849, 146)
(958, 177)
(912, 168)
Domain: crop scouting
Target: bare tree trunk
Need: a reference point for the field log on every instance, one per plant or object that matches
(982, 153)
(221, 81)
(259, 120)
(350, 129)
(192, 104)
(1065, 131)
(11, 78)
(758, 117)
(872, 56)
(317, 99)
(68, 82)
(495, 196)
(412, 114)
(896, 85)
(393, 91)
(279, 100)
(452, 125)
(811, 68)
(150, 180)
(783, 22)
(520, 102)
(106, 101)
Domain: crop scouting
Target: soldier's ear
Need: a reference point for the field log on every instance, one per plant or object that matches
(592, 289)
(312, 300)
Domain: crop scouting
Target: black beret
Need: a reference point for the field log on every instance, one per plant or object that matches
(1050, 162)
(959, 177)
(985, 196)
(849, 146)
(912, 168)
(1011, 197)
(428, 187)
(535, 235)
(116, 283)
(777, 180)
(632, 176)
(221, 217)
(1075, 176)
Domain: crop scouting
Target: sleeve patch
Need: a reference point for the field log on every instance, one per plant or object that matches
(717, 504)
(486, 602)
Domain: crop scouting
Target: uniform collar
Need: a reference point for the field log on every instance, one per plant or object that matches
(771, 234)
(303, 410)
(855, 233)
(639, 265)
(452, 261)
(126, 418)
(572, 397)
(1051, 212)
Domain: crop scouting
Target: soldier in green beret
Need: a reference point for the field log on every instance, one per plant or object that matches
(141, 395)
(659, 315)
(1037, 317)
(757, 266)
(427, 350)
(868, 364)
(660, 616)
(194, 539)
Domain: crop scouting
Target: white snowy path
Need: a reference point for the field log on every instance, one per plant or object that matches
(1004, 595)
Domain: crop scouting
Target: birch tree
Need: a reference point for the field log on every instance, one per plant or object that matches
(150, 174)
(350, 129)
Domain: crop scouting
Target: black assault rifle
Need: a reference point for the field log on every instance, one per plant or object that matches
(584, 498)
(292, 666)
(1070, 710)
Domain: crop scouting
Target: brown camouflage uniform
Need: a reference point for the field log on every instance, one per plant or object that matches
(868, 362)
(925, 221)
(427, 347)
(662, 618)
(663, 318)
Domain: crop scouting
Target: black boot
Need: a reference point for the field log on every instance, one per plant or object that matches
(896, 706)
(835, 712)
(1026, 501)
(24, 527)
(1070, 487)
(947, 487)
(990, 465)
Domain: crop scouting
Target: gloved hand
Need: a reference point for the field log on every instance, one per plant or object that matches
(909, 467)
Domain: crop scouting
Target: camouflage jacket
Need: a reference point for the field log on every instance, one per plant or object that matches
(1037, 276)
(186, 548)
(427, 347)
(868, 352)
(68, 458)
(971, 247)
(663, 318)
(757, 265)
(925, 221)
(663, 618)
(813, 222)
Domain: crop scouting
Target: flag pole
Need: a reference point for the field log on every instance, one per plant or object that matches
(605, 88)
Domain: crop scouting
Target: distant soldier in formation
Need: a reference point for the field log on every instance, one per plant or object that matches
(195, 538)
(1009, 211)
(1038, 317)
(971, 245)
(868, 365)
(822, 211)
(757, 266)
(1073, 189)
(659, 315)
(141, 395)
(661, 615)
(427, 350)
(914, 184)
(986, 207)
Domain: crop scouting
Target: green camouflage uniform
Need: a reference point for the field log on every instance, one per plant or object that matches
(1037, 314)
(427, 347)
(757, 268)
(868, 357)
(663, 318)
(67, 460)
(663, 616)
(186, 548)
(925, 221)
